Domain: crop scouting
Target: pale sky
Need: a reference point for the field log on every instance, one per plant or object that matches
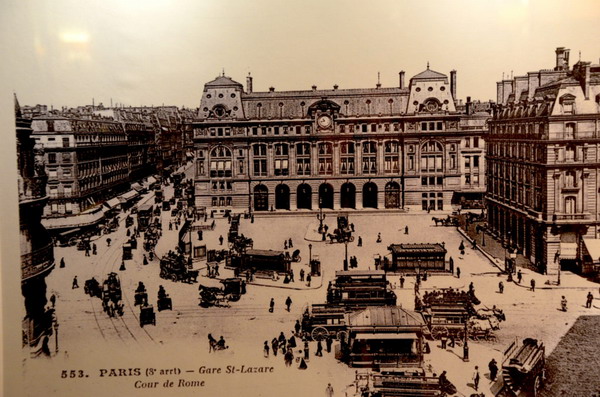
(149, 52)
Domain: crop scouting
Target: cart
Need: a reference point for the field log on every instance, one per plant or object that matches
(127, 254)
(147, 315)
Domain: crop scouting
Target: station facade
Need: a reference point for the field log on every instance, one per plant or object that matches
(385, 148)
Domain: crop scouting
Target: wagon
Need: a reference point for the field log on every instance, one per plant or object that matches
(173, 267)
(147, 315)
(523, 368)
(320, 321)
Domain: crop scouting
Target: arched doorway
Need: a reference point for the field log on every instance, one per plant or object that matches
(370, 195)
(392, 195)
(304, 197)
(261, 198)
(326, 196)
(348, 195)
(282, 197)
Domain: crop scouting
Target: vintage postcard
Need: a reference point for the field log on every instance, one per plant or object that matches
(302, 198)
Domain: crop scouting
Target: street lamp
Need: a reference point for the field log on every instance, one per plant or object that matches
(56, 336)
(466, 342)
(320, 216)
(309, 253)
(346, 247)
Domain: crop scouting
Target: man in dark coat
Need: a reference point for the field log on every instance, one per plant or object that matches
(493, 369)
(288, 303)
(328, 343)
(319, 349)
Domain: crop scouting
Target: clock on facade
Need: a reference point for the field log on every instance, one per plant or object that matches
(324, 121)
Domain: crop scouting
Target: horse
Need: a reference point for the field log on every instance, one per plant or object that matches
(438, 220)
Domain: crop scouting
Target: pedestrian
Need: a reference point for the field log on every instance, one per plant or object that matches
(563, 303)
(87, 251)
(266, 349)
(288, 303)
(352, 227)
(282, 340)
(302, 364)
(272, 305)
(451, 261)
(452, 341)
(378, 237)
(519, 277)
(94, 249)
(274, 345)
(444, 340)
(406, 229)
(62, 262)
(461, 247)
(328, 343)
(401, 281)
(319, 351)
(306, 350)
(108, 240)
(493, 369)
(145, 260)
(590, 298)
(290, 243)
(457, 271)
(501, 287)
(471, 287)
(443, 379)
(291, 275)
(285, 245)
(532, 285)
(329, 390)
(308, 279)
(53, 300)
(476, 378)
(297, 327)
(216, 273)
(170, 225)
(418, 279)
(301, 274)
(359, 241)
(220, 240)
(122, 266)
(75, 284)
(288, 358)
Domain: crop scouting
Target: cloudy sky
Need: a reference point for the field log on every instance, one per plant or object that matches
(150, 52)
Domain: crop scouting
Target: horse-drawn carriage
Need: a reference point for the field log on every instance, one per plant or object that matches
(141, 296)
(147, 315)
(127, 252)
(111, 225)
(523, 368)
(173, 267)
(449, 220)
(92, 288)
(164, 302)
(128, 221)
(112, 302)
(343, 232)
(449, 313)
(232, 290)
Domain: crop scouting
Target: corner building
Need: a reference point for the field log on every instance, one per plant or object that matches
(544, 157)
(373, 148)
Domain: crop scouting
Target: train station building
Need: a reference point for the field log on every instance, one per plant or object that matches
(410, 146)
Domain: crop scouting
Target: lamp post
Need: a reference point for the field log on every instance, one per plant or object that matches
(346, 257)
(466, 341)
(309, 253)
(320, 216)
(56, 336)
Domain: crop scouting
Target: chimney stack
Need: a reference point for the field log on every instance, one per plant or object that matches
(249, 84)
(335, 87)
(401, 79)
(314, 87)
(468, 106)
(453, 83)
(271, 89)
(586, 81)
(562, 58)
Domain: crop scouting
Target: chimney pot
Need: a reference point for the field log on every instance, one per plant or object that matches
(335, 87)
(314, 87)
(271, 89)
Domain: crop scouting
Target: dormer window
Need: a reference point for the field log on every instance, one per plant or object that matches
(567, 102)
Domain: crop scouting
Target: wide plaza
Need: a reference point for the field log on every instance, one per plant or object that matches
(179, 337)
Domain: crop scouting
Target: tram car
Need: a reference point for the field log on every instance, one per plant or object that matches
(112, 295)
(523, 368)
(350, 291)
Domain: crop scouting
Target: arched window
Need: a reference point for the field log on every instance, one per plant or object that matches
(220, 162)
(347, 158)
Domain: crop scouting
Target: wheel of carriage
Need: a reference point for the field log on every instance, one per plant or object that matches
(537, 385)
(72, 241)
(174, 277)
(438, 331)
(460, 335)
(163, 274)
(233, 298)
(319, 333)
(342, 336)
(350, 239)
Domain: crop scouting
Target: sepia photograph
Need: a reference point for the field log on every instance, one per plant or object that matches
(300, 198)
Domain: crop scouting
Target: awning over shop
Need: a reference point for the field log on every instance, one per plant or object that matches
(113, 202)
(387, 336)
(86, 218)
(137, 187)
(128, 196)
(568, 250)
(593, 247)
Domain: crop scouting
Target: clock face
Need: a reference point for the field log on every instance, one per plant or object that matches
(324, 121)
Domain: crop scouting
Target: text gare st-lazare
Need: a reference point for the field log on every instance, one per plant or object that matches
(182, 381)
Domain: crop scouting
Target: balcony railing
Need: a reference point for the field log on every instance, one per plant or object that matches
(571, 217)
(37, 261)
